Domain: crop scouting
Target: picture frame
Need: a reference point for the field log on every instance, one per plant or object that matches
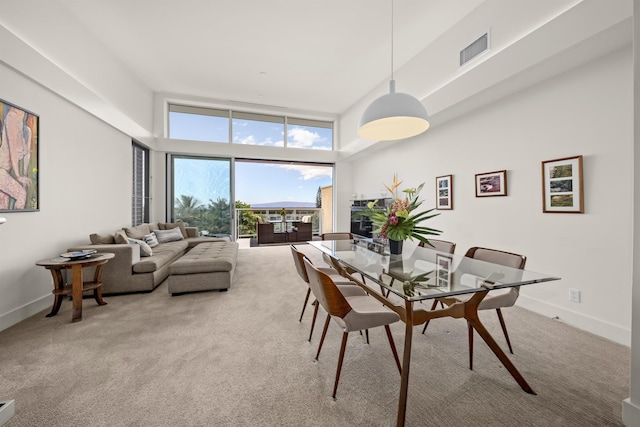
(491, 184)
(443, 271)
(19, 156)
(562, 186)
(444, 192)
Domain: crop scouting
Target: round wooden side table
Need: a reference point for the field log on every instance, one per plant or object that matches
(78, 285)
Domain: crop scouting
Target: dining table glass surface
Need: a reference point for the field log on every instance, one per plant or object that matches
(421, 273)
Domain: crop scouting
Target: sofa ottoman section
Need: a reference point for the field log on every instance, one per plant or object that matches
(206, 267)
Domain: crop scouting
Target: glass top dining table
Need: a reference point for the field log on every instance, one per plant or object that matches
(420, 273)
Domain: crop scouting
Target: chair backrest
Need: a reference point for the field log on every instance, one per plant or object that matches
(508, 259)
(326, 292)
(337, 236)
(499, 298)
(298, 260)
(439, 245)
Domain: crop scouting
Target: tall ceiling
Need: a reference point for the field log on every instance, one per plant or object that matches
(313, 55)
(312, 58)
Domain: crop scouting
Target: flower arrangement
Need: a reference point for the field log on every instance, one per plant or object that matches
(283, 212)
(396, 221)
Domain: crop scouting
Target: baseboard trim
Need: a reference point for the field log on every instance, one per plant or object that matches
(598, 327)
(21, 313)
(630, 413)
(7, 410)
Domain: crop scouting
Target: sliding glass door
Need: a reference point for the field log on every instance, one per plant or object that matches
(201, 193)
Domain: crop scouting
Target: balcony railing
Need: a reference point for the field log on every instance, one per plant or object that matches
(246, 219)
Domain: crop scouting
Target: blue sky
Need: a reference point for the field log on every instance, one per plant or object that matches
(255, 182)
(264, 182)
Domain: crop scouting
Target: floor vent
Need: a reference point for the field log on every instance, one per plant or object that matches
(474, 49)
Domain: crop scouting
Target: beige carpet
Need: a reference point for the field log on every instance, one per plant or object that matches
(241, 358)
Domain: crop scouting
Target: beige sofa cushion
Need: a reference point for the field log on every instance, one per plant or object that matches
(120, 237)
(102, 239)
(162, 254)
(138, 232)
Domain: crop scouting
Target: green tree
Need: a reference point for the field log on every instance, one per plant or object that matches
(247, 219)
(319, 198)
(186, 208)
(219, 216)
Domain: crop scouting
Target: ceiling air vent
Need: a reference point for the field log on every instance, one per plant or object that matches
(474, 49)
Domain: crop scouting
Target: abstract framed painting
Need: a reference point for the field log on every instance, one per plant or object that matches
(19, 141)
(562, 190)
(491, 184)
(444, 192)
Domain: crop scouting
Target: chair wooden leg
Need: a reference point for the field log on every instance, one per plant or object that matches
(470, 328)
(306, 301)
(393, 347)
(324, 333)
(433, 307)
(313, 321)
(504, 329)
(345, 335)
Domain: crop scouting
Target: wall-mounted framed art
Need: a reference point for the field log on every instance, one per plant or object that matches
(444, 192)
(491, 184)
(18, 159)
(562, 190)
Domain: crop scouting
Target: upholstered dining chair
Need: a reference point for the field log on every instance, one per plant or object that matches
(351, 313)
(334, 236)
(346, 286)
(439, 245)
(496, 299)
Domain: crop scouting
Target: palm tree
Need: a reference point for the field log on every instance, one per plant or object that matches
(186, 207)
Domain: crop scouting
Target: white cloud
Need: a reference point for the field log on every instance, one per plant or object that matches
(302, 138)
(309, 172)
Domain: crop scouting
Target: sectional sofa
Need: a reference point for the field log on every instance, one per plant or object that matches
(141, 264)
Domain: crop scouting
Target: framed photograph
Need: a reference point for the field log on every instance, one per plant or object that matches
(443, 271)
(444, 192)
(562, 185)
(18, 159)
(491, 184)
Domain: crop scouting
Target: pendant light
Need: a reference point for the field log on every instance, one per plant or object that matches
(394, 115)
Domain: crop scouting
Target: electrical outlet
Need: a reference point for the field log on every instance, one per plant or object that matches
(574, 295)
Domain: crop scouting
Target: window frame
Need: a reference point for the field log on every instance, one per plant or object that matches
(139, 184)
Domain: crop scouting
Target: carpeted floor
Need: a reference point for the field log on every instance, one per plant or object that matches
(241, 358)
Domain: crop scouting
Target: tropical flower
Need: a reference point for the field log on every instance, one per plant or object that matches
(283, 212)
(396, 221)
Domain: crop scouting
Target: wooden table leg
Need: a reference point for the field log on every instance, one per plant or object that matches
(471, 314)
(77, 285)
(58, 286)
(406, 361)
(97, 292)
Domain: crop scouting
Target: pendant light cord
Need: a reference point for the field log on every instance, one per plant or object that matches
(391, 39)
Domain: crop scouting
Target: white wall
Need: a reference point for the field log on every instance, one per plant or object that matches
(587, 111)
(85, 187)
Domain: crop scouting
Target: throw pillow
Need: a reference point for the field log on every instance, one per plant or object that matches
(172, 235)
(120, 237)
(151, 239)
(145, 250)
(170, 225)
(102, 239)
(137, 232)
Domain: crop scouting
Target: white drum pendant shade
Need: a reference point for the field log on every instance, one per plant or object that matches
(393, 116)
